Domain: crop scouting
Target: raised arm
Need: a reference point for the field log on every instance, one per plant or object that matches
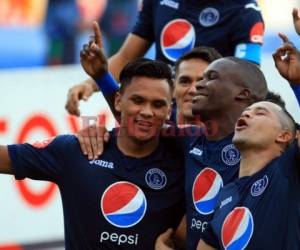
(287, 62)
(5, 162)
(133, 47)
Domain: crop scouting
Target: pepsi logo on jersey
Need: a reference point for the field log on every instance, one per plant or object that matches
(205, 190)
(237, 229)
(177, 37)
(123, 204)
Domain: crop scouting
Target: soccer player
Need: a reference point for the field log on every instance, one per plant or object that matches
(134, 191)
(232, 27)
(260, 210)
(189, 69)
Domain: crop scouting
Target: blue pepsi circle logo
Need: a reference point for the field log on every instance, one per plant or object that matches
(237, 229)
(209, 17)
(123, 204)
(177, 37)
(230, 155)
(205, 190)
(156, 178)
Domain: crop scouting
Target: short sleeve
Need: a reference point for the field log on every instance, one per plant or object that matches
(247, 33)
(210, 238)
(43, 160)
(182, 137)
(144, 24)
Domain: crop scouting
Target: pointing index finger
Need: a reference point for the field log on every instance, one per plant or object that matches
(284, 37)
(98, 35)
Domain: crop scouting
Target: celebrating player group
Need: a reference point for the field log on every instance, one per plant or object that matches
(220, 170)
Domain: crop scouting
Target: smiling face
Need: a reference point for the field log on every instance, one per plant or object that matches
(144, 105)
(261, 126)
(188, 74)
(217, 92)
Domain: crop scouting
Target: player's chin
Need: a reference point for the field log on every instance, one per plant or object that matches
(146, 135)
(239, 140)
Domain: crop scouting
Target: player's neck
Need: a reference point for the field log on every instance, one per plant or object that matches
(184, 120)
(221, 123)
(134, 148)
(218, 128)
(253, 160)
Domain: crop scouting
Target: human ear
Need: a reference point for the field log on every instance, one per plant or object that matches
(118, 98)
(284, 137)
(244, 94)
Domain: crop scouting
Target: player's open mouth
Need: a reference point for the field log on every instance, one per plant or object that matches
(241, 124)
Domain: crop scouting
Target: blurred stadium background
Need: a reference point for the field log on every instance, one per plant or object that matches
(39, 54)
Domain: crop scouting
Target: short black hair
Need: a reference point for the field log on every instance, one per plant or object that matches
(252, 77)
(286, 119)
(207, 54)
(275, 98)
(148, 68)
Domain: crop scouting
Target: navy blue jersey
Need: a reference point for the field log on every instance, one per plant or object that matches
(209, 166)
(296, 90)
(261, 211)
(233, 27)
(114, 202)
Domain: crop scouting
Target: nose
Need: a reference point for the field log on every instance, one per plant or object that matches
(146, 110)
(192, 89)
(200, 85)
(246, 114)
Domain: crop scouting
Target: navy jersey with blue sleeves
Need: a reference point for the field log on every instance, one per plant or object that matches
(114, 202)
(233, 27)
(261, 211)
(209, 166)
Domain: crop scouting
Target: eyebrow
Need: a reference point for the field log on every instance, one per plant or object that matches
(257, 109)
(155, 100)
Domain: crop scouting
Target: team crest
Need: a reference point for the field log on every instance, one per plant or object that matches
(209, 17)
(230, 155)
(155, 178)
(259, 186)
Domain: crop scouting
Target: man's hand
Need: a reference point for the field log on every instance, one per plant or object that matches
(92, 55)
(287, 61)
(296, 20)
(92, 139)
(79, 92)
(164, 241)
